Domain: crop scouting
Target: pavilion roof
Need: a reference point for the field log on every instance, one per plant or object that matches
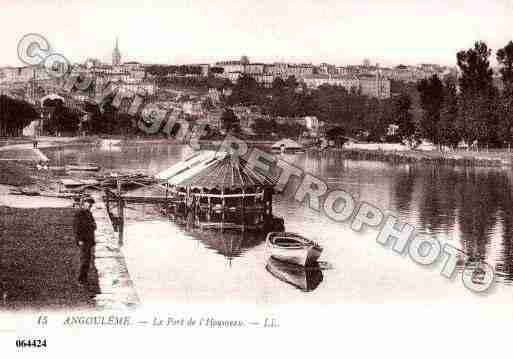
(210, 170)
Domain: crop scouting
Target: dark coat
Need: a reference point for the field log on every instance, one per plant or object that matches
(84, 227)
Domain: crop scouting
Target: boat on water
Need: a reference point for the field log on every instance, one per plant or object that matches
(71, 182)
(287, 146)
(82, 167)
(109, 142)
(292, 248)
(304, 278)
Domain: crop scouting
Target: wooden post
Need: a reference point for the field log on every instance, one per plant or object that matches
(222, 209)
(195, 208)
(209, 209)
(121, 213)
(242, 209)
(270, 203)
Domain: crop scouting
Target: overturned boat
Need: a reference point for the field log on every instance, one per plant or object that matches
(292, 248)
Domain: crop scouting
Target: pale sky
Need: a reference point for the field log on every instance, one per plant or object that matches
(179, 31)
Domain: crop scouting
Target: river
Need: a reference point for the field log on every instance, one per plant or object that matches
(470, 208)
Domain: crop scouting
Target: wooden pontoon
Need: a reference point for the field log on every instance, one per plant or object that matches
(208, 190)
(218, 190)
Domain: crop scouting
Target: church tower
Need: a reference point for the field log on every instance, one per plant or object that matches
(116, 55)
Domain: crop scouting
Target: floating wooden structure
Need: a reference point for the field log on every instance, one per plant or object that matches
(208, 190)
(219, 190)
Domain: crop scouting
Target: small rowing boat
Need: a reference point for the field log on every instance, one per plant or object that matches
(292, 248)
(70, 182)
(82, 167)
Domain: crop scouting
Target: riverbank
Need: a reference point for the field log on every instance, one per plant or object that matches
(40, 258)
(501, 159)
(14, 174)
(369, 152)
(44, 142)
(41, 261)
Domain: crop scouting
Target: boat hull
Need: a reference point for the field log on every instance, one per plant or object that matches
(82, 168)
(299, 250)
(302, 256)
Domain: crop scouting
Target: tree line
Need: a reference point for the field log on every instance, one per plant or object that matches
(472, 108)
(14, 116)
(165, 70)
(354, 114)
(445, 111)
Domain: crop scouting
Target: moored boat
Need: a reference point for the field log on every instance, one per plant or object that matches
(109, 142)
(86, 167)
(70, 182)
(292, 248)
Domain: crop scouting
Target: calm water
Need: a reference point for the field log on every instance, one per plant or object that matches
(468, 208)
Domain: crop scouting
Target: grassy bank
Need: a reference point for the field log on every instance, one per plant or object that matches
(460, 158)
(40, 261)
(15, 174)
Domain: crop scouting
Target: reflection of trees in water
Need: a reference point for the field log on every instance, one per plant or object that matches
(478, 196)
(505, 266)
(437, 204)
(322, 164)
(403, 189)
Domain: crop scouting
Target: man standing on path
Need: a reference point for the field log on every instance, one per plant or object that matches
(85, 226)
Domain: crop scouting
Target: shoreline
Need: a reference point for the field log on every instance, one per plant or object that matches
(461, 158)
(497, 159)
(111, 286)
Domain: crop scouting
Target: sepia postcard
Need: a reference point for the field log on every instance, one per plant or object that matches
(290, 178)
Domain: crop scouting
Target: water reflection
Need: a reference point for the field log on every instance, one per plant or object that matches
(469, 207)
(230, 244)
(306, 279)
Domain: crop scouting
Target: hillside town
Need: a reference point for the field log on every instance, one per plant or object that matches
(202, 92)
(309, 103)
(175, 173)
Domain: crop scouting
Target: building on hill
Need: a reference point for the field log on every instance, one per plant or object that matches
(116, 55)
(374, 86)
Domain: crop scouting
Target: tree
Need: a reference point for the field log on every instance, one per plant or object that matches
(264, 127)
(404, 119)
(14, 116)
(476, 74)
(447, 127)
(229, 121)
(505, 60)
(291, 82)
(245, 92)
(478, 120)
(278, 86)
(505, 106)
(244, 60)
(337, 135)
(217, 70)
(431, 98)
